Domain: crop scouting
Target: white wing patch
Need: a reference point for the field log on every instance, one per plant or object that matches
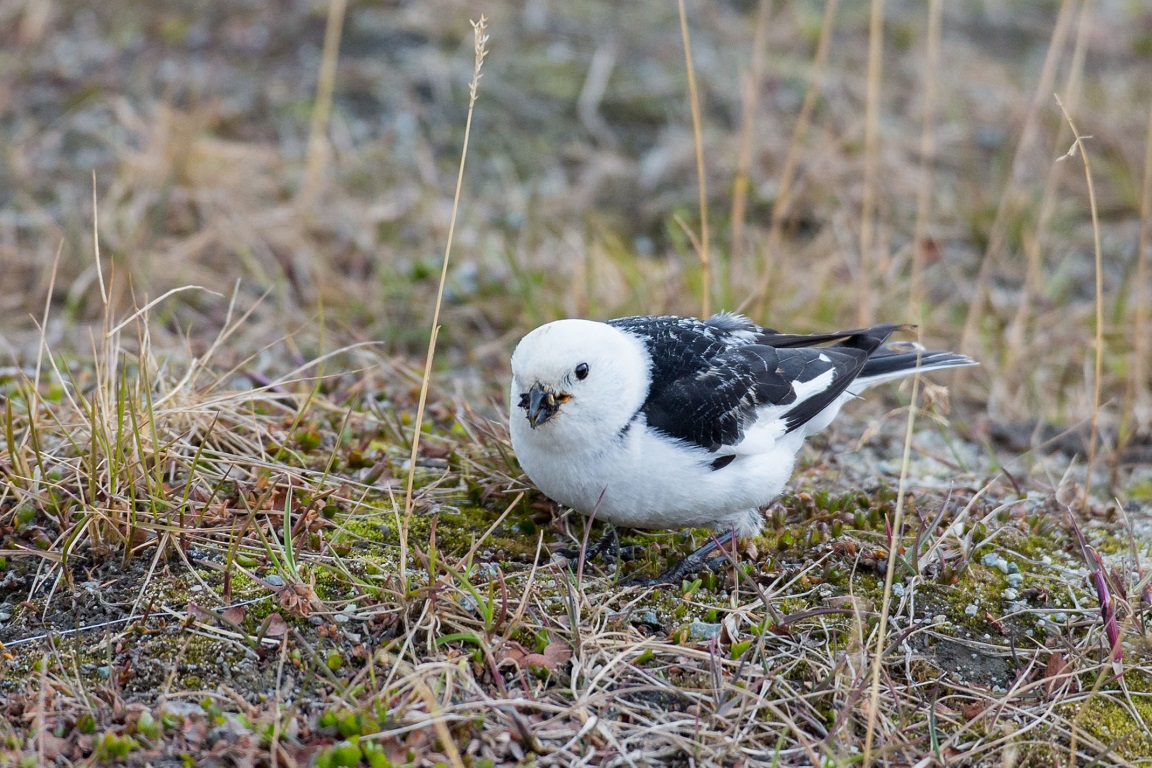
(806, 389)
(770, 426)
(762, 436)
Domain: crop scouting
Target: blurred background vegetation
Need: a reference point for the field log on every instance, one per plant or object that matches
(953, 209)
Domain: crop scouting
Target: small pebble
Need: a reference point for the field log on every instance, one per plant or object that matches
(699, 630)
(274, 579)
(1015, 579)
(1047, 560)
(648, 618)
(971, 609)
(1013, 568)
(1003, 565)
(898, 590)
(991, 559)
(1060, 617)
(1010, 594)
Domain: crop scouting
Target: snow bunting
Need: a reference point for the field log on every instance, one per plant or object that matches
(675, 422)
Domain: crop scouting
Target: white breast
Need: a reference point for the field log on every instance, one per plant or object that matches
(645, 480)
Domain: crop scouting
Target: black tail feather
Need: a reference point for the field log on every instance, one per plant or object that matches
(888, 363)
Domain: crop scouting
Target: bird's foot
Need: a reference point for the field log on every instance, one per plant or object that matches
(689, 566)
(693, 563)
(606, 548)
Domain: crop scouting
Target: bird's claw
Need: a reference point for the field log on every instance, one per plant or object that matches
(607, 548)
(691, 564)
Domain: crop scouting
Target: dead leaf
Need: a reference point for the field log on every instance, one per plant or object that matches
(275, 626)
(54, 746)
(511, 651)
(299, 599)
(1055, 673)
(436, 451)
(557, 653)
(199, 614)
(973, 710)
(235, 614)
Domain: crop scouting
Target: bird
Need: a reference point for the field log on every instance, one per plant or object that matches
(670, 422)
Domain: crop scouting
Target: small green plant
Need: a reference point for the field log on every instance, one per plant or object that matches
(110, 747)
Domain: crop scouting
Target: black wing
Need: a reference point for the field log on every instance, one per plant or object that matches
(683, 347)
(849, 358)
(709, 378)
(738, 326)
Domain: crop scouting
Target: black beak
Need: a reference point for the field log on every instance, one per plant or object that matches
(542, 404)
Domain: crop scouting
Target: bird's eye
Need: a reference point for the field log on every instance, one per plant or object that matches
(582, 371)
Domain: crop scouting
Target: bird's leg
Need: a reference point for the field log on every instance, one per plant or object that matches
(610, 548)
(689, 565)
(607, 546)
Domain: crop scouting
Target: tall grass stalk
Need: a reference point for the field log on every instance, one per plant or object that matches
(1015, 351)
(96, 244)
(868, 265)
(896, 533)
(322, 105)
(1079, 149)
(702, 246)
(1136, 398)
(753, 81)
(480, 48)
(927, 159)
(42, 346)
(780, 210)
(998, 232)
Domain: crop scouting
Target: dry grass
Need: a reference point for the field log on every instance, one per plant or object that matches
(238, 523)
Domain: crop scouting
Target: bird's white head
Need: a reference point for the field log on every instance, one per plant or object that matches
(575, 384)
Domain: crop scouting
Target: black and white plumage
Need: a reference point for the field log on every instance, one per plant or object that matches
(674, 422)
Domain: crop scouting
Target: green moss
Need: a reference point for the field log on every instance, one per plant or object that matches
(1111, 722)
(977, 585)
(1110, 543)
(112, 747)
